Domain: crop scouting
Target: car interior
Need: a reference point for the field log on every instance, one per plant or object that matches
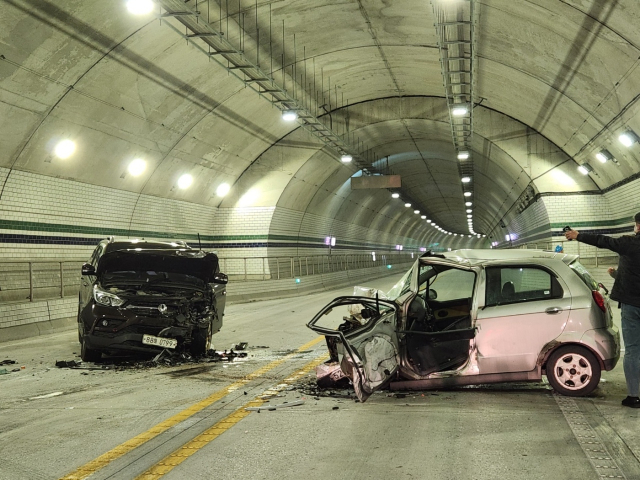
(439, 325)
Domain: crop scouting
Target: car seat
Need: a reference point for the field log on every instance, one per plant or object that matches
(508, 292)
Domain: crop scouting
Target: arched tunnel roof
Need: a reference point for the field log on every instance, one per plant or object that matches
(553, 83)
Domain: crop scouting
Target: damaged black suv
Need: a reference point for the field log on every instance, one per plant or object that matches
(138, 295)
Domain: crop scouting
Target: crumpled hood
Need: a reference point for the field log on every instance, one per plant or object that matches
(187, 262)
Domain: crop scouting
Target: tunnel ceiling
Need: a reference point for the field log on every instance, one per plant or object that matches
(554, 82)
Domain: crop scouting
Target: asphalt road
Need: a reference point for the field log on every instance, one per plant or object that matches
(189, 421)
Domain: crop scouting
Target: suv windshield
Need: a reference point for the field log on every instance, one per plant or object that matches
(584, 275)
(143, 280)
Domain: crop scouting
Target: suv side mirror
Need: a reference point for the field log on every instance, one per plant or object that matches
(88, 269)
(220, 278)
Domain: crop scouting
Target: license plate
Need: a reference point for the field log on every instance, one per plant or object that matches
(159, 341)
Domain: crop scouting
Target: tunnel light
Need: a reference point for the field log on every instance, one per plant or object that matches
(137, 166)
(373, 256)
(289, 115)
(330, 241)
(223, 189)
(585, 168)
(468, 204)
(407, 205)
(469, 215)
(463, 155)
(424, 217)
(185, 181)
(469, 210)
(399, 247)
(459, 110)
(344, 158)
(64, 149)
(139, 7)
(628, 138)
(416, 211)
(298, 280)
(428, 221)
(467, 194)
(604, 156)
(395, 195)
(466, 179)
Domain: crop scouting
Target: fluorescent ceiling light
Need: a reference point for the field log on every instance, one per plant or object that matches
(395, 195)
(424, 217)
(64, 149)
(416, 211)
(185, 181)
(407, 205)
(137, 166)
(466, 179)
(428, 221)
(628, 138)
(467, 194)
(463, 155)
(469, 210)
(345, 158)
(289, 115)
(139, 7)
(459, 110)
(604, 155)
(585, 168)
(468, 204)
(469, 215)
(223, 189)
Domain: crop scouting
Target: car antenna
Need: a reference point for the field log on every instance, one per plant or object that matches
(199, 243)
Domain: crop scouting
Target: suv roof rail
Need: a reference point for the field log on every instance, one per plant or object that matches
(111, 239)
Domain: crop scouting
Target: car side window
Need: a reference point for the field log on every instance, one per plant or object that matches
(453, 284)
(520, 284)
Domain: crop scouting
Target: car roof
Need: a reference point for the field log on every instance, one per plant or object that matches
(484, 255)
(114, 245)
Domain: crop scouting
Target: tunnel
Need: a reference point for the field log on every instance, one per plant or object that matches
(312, 146)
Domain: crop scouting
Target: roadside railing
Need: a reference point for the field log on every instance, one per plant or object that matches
(31, 280)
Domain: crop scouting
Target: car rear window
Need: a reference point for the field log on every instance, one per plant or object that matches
(584, 275)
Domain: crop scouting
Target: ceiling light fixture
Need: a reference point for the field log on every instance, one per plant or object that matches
(585, 169)
(459, 110)
(628, 138)
(136, 167)
(395, 195)
(424, 217)
(139, 7)
(469, 210)
(185, 181)
(468, 204)
(604, 155)
(407, 205)
(223, 189)
(416, 211)
(467, 194)
(289, 115)
(466, 179)
(346, 158)
(64, 149)
(463, 155)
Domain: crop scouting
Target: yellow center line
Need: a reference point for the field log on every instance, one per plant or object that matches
(105, 459)
(181, 454)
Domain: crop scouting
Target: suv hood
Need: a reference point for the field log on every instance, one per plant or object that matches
(188, 262)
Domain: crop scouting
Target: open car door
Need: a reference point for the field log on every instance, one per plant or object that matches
(364, 342)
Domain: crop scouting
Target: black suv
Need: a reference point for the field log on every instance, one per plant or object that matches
(138, 295)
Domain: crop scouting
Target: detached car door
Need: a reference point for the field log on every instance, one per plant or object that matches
(364, 340)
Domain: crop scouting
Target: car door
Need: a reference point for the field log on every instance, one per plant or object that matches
(525, 308)
(366, 341)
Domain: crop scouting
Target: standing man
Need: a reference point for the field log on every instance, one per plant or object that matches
(626, 290)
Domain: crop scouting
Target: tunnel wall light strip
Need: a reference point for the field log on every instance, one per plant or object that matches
(628, 138)
(604, 156)
(585, 169)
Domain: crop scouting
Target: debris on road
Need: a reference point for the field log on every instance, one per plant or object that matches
(295, 403)
(7, 362)
(4, 371)
(240, 346)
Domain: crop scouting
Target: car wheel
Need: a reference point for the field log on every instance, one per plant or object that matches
(201, 340)
(80, 332)
(573, 371)
(89, 354)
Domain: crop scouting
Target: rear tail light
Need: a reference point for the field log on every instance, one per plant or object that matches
(599, 299)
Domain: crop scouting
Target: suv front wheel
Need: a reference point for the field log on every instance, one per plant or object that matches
(573, 371)
(89, 354)
(201, 340)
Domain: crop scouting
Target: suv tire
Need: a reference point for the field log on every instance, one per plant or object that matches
(573, 371)
(89, 354)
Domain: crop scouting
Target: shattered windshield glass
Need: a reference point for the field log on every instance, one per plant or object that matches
(402, 287)
(147, 279)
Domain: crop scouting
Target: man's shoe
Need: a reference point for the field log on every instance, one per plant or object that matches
(633, 402)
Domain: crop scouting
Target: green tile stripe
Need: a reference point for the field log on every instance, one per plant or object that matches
(122, 232)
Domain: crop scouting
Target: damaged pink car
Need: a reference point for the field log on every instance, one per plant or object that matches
(472, 317)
